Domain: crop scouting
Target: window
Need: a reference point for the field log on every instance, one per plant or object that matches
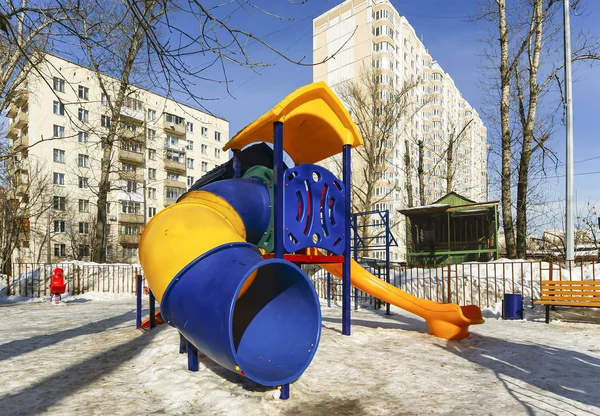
(133, 104)
(172, 176)
(190, 180)
(204, 149)
(130, 251)
(58, 131)
(175, 156)
(83, 92)
(204, 131)
(217, 136)
(104, 100)
(190, 145)
(151, 134)
(84, 205)
(131, 186)
(151, 154)
(151, 212)
(190, 127)
(58, 108)
(126, 167)
(59, 178)
(58, 84)
(59, 203)
(217, 153)
(190, 163)
(105, 121)
(83, 136)
(130, 230)
(151, 115)
(173, 119)
(171, 141)
(131, 146)
(83, 161)
(151, 193)
(60, 250)
(84, 228)
(84, 250)
(59, 155)
(129, 126)
(204, 166)
(151, 173)
(174, 193)
(130, 207)
(83, 183)
(82, 115)
(59, 226)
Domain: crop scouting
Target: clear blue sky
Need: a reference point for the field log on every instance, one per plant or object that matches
(452, 39)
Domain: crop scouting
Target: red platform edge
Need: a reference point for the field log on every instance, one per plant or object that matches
(307, 259)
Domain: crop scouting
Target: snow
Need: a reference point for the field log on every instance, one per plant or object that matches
(85, 357)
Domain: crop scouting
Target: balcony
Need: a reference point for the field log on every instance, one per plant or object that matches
(21, 142)
(21, 120)
(127, 156)
(175, 184)
(169, 201)
(12, 110)
(175, 167)
(22, 189)
(129, 239)
(131, 176)
(133, 135)
(173, 128)
(131, 218)
(137, 115)
(22, 98)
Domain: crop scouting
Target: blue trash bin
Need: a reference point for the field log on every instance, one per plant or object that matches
(512, 306)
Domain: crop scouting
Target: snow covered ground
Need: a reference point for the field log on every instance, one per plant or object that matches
(85, 357)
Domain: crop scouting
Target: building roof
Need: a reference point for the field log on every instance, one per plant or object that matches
(451, 202)
(316, 125)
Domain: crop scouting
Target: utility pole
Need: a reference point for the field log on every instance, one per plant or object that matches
(570, 235)
(49, 244)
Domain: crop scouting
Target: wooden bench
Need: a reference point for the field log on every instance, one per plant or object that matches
(583, 293)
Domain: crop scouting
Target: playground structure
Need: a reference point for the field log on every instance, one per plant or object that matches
(223, 260)
(57, 285)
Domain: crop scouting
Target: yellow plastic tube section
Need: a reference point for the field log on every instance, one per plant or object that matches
(178, 234)
(444, 320)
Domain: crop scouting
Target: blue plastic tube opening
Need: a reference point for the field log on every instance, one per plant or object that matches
(270, 333)
(276, 324)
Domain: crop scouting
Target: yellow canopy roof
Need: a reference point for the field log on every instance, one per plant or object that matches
(316, 125)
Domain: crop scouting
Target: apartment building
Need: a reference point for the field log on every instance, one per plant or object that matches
(370, 35)
(56, 124)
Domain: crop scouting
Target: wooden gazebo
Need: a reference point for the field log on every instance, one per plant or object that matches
(452, 230)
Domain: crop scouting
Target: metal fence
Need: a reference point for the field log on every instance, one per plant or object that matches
(481, 284)
(33, 279)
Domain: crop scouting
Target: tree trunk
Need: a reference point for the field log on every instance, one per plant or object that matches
(507, 218)
(407, 167)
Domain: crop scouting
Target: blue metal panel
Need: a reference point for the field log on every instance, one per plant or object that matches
(278, 189)
(270, 333)
(315, 213)
(250, 198)
(346, 284)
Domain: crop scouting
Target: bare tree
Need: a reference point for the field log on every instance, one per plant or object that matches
(528, 33)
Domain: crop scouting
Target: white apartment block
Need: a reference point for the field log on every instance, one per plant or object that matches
(55, 130)
(379, 37)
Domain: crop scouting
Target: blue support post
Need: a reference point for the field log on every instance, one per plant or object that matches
(152, 309)
(138, 292)
(278, 194)
(279, 197)
(182, 344)
(192, 357)
(387, 256)
(285, 392)
(329, 290)
(346, 160)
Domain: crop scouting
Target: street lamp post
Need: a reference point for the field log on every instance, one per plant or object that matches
(570, 236)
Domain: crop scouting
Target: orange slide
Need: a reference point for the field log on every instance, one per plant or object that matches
(444, 320)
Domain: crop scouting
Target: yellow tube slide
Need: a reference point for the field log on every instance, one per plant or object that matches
(199, 222)
(444, 320)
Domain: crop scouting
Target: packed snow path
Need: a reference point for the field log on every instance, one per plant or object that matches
(85, 357)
